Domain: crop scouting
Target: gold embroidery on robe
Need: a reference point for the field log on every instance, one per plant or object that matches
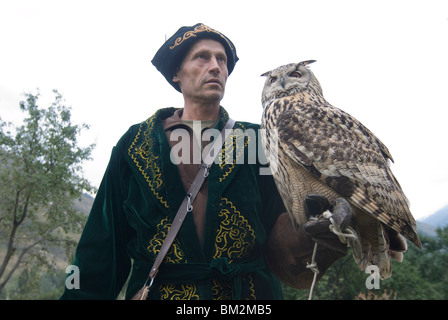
(233, 150)
(145, 160)
(234, 240)
(174, 255)
(178, 292)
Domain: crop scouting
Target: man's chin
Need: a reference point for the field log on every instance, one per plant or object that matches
(214, 95)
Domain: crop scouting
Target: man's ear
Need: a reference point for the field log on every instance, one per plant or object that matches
(175, 77)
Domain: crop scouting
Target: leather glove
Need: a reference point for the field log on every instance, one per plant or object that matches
(317, 228)
(289, 250)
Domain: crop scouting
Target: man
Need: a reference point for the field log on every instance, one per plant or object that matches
(238, 226)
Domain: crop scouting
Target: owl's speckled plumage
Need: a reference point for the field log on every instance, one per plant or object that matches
(324, 150)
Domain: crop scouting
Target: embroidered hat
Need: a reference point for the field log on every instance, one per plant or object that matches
(170, 55)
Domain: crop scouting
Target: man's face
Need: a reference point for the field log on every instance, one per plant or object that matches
(203, 74)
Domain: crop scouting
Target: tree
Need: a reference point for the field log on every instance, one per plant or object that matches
(40, 177)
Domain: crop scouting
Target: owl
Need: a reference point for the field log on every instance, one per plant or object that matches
(324, 150)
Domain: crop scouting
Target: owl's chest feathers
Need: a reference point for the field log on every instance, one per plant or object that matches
(306, 103)
(271, 113)
(308, 97)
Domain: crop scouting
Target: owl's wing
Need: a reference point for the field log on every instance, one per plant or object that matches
(345, 155)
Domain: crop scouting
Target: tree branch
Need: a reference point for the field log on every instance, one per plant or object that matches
(18, 262)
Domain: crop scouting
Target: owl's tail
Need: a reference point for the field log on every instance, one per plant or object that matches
(376, 244)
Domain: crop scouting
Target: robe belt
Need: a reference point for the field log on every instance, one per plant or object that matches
(218, 268)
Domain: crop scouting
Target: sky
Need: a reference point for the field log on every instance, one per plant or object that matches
(384, 62)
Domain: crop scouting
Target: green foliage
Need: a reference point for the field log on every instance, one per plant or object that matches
(423, 275)
(40, 176)
(37, 284)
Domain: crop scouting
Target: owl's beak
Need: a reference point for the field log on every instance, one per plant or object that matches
(282, 82)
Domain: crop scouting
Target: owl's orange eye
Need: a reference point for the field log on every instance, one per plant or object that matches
(273, 79)
(295, 74)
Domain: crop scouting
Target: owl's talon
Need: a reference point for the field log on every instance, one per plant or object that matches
(342, 213)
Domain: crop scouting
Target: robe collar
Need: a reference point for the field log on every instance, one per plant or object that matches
(149, 154)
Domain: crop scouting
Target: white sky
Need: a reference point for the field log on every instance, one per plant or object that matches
(385, 62)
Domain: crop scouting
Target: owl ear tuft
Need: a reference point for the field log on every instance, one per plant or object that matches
(266, 74)
(307, 62)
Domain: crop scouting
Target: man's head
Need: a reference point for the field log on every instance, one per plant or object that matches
(203, 72)
(171, 57)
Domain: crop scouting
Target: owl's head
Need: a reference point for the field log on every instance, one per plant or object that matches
(288, 80)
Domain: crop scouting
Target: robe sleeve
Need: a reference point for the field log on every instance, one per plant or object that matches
(272, 203)
(101, 253)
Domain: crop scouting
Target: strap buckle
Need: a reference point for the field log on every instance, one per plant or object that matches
(206, 169)
(189, 206)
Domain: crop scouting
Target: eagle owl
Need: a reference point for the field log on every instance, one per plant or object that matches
(324, 150)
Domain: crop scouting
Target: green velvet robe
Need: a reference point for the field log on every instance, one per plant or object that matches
(132, 212)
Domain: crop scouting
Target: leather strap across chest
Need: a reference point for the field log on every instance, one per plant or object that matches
(187, 203)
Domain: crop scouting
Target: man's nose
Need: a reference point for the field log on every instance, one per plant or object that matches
(214, 66)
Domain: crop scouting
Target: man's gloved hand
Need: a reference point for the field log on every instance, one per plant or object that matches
(288, 250)
(317, 228)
